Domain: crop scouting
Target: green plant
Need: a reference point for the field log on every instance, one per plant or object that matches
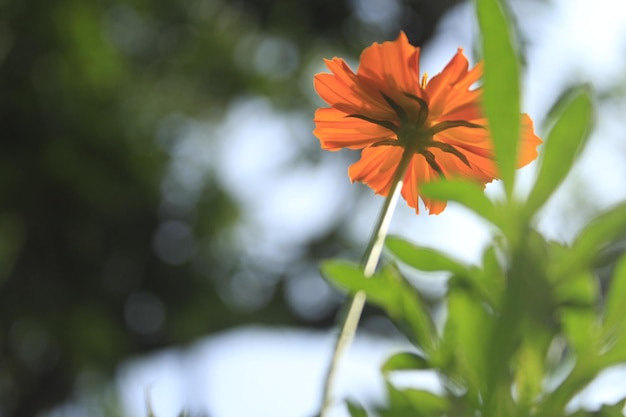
(528, 329)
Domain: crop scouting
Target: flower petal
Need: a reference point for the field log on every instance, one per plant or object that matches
(469, 140)
(410, 189)
(477, 145)
(336, 130)
(345, 91)
(449, 89)
(393, 65)
(376, 167)
(481, 169)
(529, 141)
(420, 172)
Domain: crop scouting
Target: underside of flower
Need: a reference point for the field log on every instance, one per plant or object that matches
(414, 136)
(388, 112)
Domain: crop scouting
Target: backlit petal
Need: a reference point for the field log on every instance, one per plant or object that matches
(394, 66)
(529, 142)
(449, 89)
(412, 180)
(336, 130)
(344, 91)
(376, 167)
(419, 172)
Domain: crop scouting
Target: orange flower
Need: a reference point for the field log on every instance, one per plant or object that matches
(385, 110)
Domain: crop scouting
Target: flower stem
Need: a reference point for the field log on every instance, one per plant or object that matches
(370, 261)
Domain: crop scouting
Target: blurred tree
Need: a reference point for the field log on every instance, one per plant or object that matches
(84, 87)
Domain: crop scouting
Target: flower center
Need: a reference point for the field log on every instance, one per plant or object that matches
(416, 137)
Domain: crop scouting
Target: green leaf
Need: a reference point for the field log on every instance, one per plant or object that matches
(614, 313)
(425, 402)
(554, 404)
(490, 278)
(468, 193)
(405, 361)
(580, 328)
(580, 290)
(501, 88)
(342, 273)
(529, 372)
(389, 291)
(423, 259)
(414, 402)
(616, 297)
(356, 410)
(466, 337)
(487, 282)
(600, 232)
(564, 142)
(576, 380)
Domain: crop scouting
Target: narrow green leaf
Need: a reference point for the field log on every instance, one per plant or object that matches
(356, 410)
(395, 398)
(405, 361)
(501, 88)
(615, 310)
(405, 306)
(466, 337)
(425, 402)
(486, 282)
(578, 325)
(389, 291)
(530, 369)
(581, 376)
(580, 290)
(342, 273)
(467, 193)
(490, 278)
(423, 259)
(562, 146)
(600, 232)
(415, 403)
(350, 277)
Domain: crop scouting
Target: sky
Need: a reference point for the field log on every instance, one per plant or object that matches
(278, 372)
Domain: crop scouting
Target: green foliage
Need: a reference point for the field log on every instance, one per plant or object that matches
(614, 310)
(511, 325)
(356, 410)
(562, 145)
(501, 89)
(414, 402)
(467, 193)
(530, 327)
(597, 235)
(405, 361)
(389, 291)
(425, 259)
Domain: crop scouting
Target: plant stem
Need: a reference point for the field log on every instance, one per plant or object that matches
(370, 261)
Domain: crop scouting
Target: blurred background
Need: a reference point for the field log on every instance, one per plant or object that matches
(164, 205)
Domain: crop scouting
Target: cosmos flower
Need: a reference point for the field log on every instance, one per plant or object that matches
(386, 110)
